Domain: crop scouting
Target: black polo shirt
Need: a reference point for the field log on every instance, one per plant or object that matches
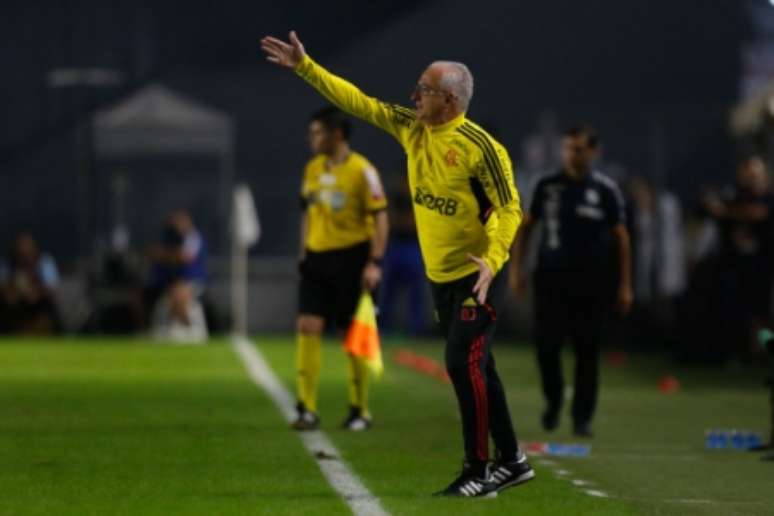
(577, 217)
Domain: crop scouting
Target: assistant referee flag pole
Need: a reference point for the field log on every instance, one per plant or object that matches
(245, 233)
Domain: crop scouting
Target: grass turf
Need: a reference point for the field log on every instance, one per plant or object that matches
(126, 427)
(120, 427)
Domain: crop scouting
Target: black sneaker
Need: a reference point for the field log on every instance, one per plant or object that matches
(512, 473)
(306, 420)
(471, 485)
(356, 421)
(583, 430)
(550, 420)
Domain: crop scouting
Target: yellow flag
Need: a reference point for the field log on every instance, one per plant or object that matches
(362, 338)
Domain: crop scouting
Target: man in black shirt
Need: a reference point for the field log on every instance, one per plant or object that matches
(584, 228)
(746, 225)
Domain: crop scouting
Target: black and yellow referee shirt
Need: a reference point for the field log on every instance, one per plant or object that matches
(340, 202)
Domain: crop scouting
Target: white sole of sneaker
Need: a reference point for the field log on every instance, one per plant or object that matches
(524, 477)
(493, 494)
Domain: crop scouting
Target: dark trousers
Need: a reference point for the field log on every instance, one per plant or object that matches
(468, 329)
(570, 305)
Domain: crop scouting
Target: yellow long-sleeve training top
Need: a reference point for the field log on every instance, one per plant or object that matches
(461, 179)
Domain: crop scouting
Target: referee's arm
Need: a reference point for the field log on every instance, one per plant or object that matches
(372, 273)
(304, 229)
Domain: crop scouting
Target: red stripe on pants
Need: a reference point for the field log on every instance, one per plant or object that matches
(479, 395)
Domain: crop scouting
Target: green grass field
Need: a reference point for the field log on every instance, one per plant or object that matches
(128, 427)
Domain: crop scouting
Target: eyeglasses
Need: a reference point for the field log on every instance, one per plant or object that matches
(422, 90)
(575, 149)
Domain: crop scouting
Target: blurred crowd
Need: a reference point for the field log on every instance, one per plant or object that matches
(702, 262)
(29, 279)
(728, 297)
(163, 292)
(702, 270)
(177, 281)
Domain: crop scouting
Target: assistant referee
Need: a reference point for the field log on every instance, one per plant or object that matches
(343, 235)
(467, 212)
(583, 243)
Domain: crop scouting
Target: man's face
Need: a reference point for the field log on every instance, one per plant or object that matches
(752, 176)
(181, 221)
(26, 248)
(576, 153)
(321, 139)
(429, 100)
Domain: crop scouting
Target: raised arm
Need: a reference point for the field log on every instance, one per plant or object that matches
(392, 118)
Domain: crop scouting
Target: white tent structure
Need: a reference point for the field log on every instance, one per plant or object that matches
(157, 121)
(750, 115)
(752, 122)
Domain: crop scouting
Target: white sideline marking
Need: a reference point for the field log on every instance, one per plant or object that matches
(692, 501)
(713, 502)
(565, 474)
(343, 480)
(648, 456)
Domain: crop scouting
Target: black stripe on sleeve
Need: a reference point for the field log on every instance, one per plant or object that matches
(484, 204)
(492, 160)
(402, 115)
(495, 158)
(488, 159)
(404, 111)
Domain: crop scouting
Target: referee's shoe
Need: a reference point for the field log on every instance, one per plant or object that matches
(512, 473)
(306, 420)
(471, 484)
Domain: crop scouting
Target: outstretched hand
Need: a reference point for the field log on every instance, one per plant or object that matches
(481, 288)
(287, 55)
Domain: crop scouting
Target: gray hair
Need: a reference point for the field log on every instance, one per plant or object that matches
(457, 80)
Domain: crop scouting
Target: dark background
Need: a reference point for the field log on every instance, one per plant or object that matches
(657, 78)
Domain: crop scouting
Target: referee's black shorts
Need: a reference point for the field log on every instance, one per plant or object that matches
(332, 282)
